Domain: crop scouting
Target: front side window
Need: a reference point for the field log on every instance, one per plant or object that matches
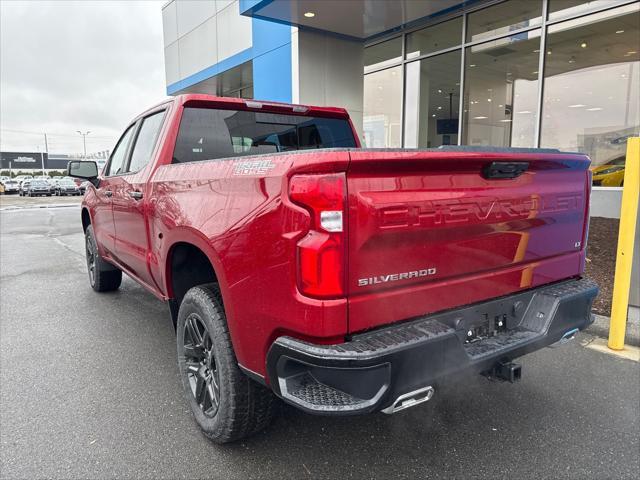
(207, 134)
(146, 141)
(116, 165)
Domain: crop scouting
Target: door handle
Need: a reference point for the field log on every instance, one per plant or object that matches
(108, 193)
(135, 194)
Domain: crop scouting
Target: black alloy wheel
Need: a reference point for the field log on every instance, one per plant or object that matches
(91, 259)
(202, 371)
(226, 404)
(103, 276)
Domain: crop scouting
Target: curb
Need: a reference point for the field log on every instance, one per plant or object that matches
(600, 328)
(37, 207)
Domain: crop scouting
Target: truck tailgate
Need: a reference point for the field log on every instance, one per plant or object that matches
(434, 230)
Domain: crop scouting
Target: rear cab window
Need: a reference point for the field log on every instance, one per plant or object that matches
(207, 134)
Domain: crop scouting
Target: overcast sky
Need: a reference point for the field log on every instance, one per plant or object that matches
(68, 66)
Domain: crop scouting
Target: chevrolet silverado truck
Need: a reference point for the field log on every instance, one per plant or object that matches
(343, 280)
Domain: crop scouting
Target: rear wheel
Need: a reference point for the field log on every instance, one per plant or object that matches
(226, 404)
(103, 276)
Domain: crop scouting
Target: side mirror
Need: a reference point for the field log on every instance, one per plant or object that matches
(86, 170)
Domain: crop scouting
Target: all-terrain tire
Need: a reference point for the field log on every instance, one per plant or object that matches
(244, 406)
(103, 277)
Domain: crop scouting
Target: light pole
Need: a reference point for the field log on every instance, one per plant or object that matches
(42, 160)
(84, 141)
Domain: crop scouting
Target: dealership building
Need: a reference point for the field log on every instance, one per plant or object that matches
(524, 73)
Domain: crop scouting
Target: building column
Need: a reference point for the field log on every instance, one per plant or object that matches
(327, 70)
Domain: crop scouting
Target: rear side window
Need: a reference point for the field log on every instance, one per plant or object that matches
(116, 164)
(207, 134)
(145, 141)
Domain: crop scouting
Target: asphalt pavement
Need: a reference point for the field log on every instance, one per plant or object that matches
(89, 388)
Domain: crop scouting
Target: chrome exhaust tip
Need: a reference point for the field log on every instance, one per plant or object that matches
(410, 399)
(566, 338)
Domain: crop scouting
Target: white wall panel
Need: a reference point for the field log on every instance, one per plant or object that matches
(169, 23)
(192, 13)
(234, 32)
(222, 4)
(172, 63)
(198, 48)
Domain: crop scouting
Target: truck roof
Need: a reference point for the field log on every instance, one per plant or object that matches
(211, 101)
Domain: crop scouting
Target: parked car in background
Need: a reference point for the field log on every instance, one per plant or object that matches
(23, 186)
(38, 187)
(611, 174)
(22, 178)
(67, 187)
(11, 186)
(4, 179)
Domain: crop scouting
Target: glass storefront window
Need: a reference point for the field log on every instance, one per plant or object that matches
(435, 38)
(432, 101)
(382, 118)
(503, 18)
(382, 54)
(501, 91)
(591, 97)
(568, 8)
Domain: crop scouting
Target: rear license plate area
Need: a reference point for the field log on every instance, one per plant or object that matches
(488, 326)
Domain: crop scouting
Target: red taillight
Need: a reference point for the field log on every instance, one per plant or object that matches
(321, 252)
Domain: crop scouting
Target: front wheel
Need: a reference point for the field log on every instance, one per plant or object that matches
(103, 277)
(226, 404)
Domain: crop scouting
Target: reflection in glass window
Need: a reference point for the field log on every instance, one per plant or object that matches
(501, 91)
(382, 54)
(383, 108)
(434, 38)
(503, 18)
(602, 57)
(569, 8)
(432, 101)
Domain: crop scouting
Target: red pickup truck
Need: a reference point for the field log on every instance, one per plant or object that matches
(343, 280)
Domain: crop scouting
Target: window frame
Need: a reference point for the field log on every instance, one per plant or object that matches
(134, 139)
(136, 125)
(107, 167)
(464, 13)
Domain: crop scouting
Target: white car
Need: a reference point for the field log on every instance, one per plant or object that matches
(11, 186)
(22, 178)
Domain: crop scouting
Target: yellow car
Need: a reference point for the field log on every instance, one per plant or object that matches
(609, 175)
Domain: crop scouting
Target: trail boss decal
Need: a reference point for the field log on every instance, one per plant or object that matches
(395, 277)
